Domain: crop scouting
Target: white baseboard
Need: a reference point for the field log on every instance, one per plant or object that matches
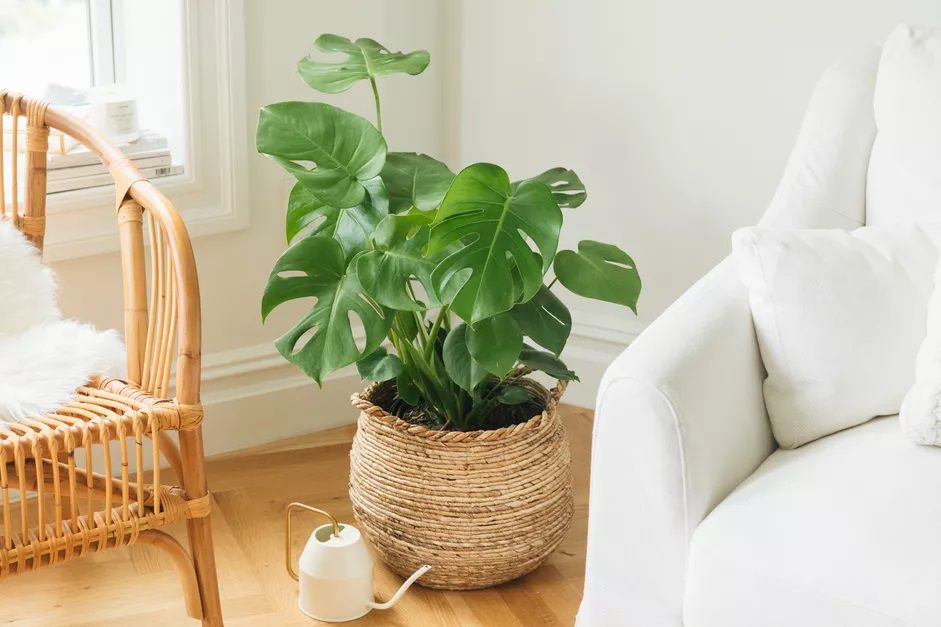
(594, 343)
(253, 396)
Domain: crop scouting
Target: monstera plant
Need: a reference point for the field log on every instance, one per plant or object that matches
(438, 280)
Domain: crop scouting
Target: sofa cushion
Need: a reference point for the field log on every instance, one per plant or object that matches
(920, 416)
(824, 181)
(904, 182)
(839, 318)
(841, 532)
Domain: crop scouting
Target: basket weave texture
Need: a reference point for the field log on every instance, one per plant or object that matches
(482, 507)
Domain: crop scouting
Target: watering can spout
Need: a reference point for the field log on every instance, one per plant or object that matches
(398, 594)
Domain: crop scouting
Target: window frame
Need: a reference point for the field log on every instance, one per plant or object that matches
(212, 193)
(102, 42)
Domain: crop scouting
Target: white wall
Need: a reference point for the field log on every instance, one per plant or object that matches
(678, 115)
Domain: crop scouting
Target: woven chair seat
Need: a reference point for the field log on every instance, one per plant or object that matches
(37, 457)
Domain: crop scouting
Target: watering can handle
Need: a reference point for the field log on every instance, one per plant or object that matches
(288, 562)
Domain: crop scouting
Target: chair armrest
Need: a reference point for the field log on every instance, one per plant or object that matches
(680, 422)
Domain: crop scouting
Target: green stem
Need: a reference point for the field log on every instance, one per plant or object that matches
(433, 334)
(549, 287)
(375, 93)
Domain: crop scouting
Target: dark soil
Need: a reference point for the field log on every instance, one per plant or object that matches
(502, 415)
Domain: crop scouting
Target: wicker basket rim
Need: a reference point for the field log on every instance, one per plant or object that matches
(374, 412)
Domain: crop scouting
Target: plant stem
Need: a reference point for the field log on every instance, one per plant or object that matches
(433, 334)
(549, 287)
(375, 93)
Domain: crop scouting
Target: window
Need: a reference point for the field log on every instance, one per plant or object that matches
(61, 50)
(183, 63)
(58, 48)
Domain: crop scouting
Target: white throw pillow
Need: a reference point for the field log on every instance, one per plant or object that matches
(904, 181)
(921, 410)
(43, 359)
(839, 317)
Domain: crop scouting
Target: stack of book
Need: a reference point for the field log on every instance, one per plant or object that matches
(81, 169)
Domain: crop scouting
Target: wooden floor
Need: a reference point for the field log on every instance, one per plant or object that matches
(137, 585)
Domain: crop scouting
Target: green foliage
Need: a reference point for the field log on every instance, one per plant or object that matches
(567, 189)
(379, 365)
(599, 271)
(316, 267)
(545, 320)
(415, 181)
(413, 273)
(398, 261)
(346, 150)
(492, 223)
(365, 59)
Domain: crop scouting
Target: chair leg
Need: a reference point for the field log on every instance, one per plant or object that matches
(199, 529)
(183, 564)
(204, 560)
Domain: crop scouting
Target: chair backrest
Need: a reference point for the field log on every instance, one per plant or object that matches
(162, 307)
(24, 144)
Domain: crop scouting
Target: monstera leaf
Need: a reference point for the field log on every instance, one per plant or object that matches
(415, 180)
(545, 319)
(346, 150)
(495, 343)
(458, 363)
(492, 224)
(546, 362)
(379, 365)
(567, 189)
(599, 271)
(387, 272)
(351, 227)
(365, 58)
(316, 267)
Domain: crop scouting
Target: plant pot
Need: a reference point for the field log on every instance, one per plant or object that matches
(482, 507)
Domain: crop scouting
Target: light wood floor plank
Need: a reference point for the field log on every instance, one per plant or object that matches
(138, 585)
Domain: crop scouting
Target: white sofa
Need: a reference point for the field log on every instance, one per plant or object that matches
(696, 518)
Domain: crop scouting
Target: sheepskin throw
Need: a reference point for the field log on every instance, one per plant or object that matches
(43, 358)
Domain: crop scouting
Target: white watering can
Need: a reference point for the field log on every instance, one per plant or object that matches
(336, 571)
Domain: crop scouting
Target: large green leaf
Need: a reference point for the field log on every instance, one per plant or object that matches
(415, 180)
(345, 149)
(495, 343)
(493, 226)
(458, 363)
(513, 395)
(316, 267)
(379, 365)
(599, 271)
(406, 390)
(546, 362)
(352, 227)
(387, 273)
(545, 319)
(365, 59)
(567, 189)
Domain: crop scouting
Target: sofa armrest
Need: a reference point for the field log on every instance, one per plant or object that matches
(680, 422)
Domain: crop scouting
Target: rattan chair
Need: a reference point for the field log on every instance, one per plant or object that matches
(72, 482)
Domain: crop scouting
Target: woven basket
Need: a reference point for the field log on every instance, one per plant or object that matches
(482, 507)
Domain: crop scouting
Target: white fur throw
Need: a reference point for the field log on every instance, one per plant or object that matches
(43, 358)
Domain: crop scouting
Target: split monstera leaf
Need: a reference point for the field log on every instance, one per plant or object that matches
(414, 273)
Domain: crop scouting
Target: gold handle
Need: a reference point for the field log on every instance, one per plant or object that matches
(288, 562)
